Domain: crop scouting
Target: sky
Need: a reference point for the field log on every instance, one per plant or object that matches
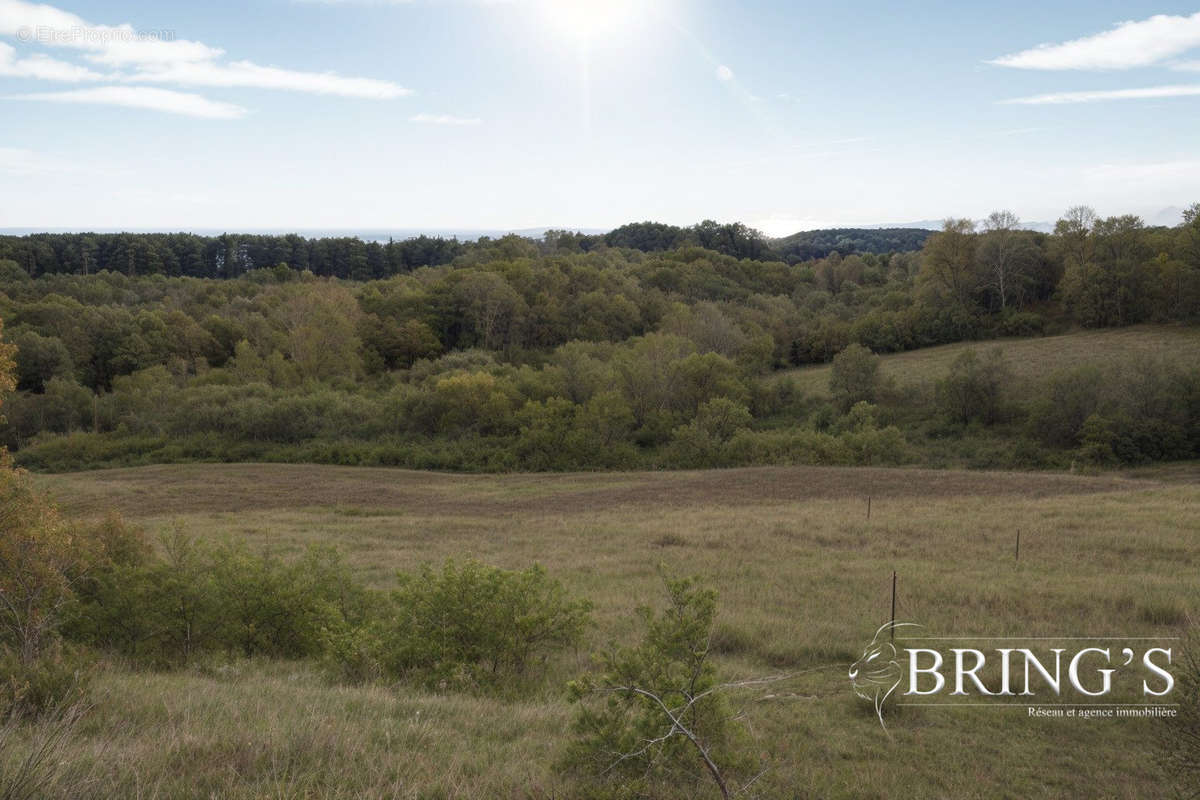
(497, 114)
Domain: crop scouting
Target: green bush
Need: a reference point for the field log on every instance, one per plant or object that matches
(654, 714)
(472, 624)
(59, 677)
(1179, 736)
(220, 598)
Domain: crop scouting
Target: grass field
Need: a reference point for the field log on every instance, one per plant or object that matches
(1033, 359)
(804, 580)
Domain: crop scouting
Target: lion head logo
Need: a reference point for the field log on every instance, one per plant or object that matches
(877, 673)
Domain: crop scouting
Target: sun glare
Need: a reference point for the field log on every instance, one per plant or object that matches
(587, 19)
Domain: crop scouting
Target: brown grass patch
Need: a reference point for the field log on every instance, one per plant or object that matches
(365, 492)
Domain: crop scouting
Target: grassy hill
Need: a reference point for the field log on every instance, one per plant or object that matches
(1033, 358)
(804, 580)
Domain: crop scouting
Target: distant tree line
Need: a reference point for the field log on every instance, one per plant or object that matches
(232, 255)
(541, 355)
(224, 256)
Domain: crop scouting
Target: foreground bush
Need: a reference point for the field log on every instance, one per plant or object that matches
(1180, 737)
(54, 680)
(199, 597)
(654, 715)
(466, 624)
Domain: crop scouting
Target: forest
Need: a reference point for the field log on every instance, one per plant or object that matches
(651, 346)
(350, 258)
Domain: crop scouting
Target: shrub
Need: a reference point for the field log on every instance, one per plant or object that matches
(40, 560)
(474, 624)
(1179, 737)
(58, 677)
(1021, 323)
(655, 713)
(220, 598)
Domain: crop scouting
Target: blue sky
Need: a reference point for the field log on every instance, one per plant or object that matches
(590, 113)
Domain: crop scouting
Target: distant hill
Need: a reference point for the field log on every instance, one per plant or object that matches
(819, 244)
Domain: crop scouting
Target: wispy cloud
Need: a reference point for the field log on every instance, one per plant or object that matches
(444, 119)
(1148, 93)
(249, 75)
(146, 97)
(42, 67)
(133, 56)
(1128, 44)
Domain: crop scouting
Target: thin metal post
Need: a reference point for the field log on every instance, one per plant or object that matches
(893, 625)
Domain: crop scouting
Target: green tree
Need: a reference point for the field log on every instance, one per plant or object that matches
(493, 308)
(1008, 258)
(40, 358)
(1063, 404)
(854, 377)
(321, 320)
(975, 388)
(948, 263)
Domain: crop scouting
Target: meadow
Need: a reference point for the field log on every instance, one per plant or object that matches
(1032, 359)
(804, 579)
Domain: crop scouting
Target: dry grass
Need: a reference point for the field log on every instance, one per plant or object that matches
(804, 579)
(1033, 359)
(192, 488)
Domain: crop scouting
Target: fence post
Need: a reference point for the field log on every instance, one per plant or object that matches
(893, 625)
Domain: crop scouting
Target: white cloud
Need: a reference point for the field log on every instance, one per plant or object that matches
(724, 73)
(1148, 93)
(166, 100)
(250, 75)
(1129, 44)
(156, 57)
(444, 119)
(1187, 66)
(42, 67)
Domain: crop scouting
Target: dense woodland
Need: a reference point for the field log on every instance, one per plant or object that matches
(349, 258)
(650, 346)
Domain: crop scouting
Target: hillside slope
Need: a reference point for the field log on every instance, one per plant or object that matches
(1033, 358)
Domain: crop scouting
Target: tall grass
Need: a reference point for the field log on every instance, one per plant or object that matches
(804, 579)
